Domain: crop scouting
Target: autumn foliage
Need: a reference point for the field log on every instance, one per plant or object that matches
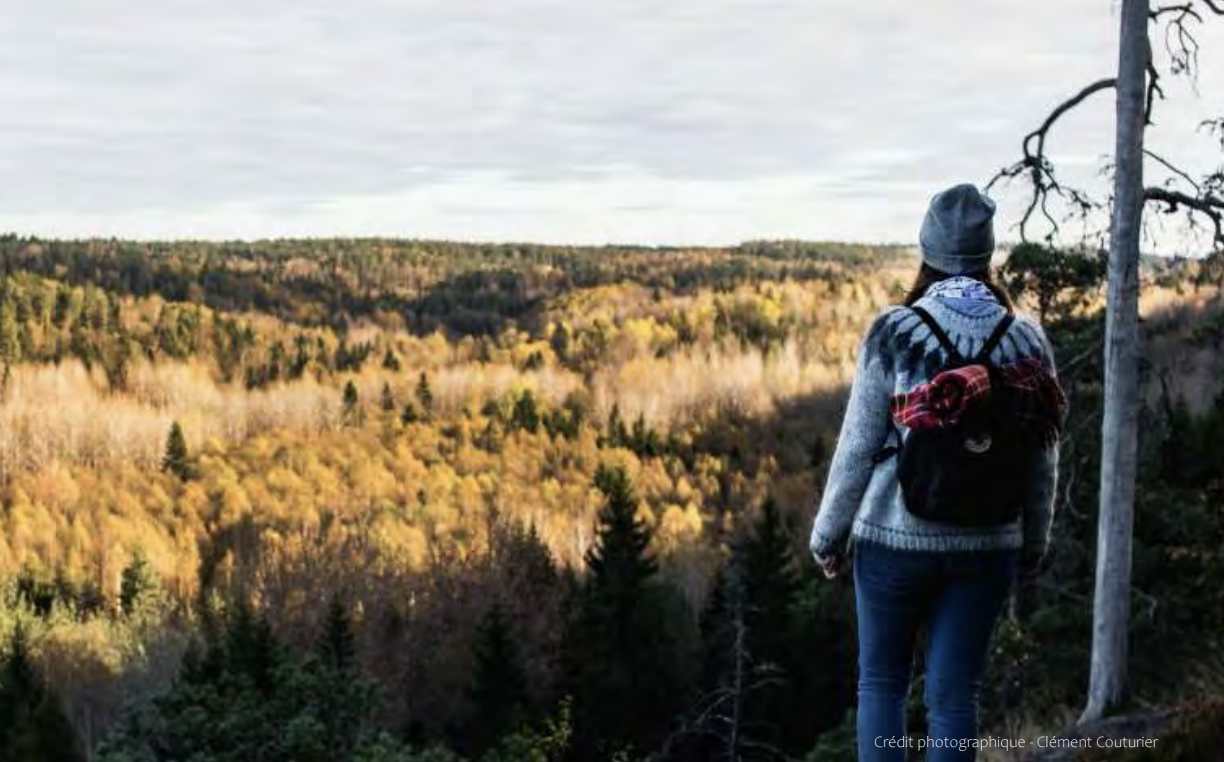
(430, 478)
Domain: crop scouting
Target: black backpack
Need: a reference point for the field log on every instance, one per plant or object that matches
(973, 473)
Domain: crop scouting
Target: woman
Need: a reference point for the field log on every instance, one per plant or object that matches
(911, 573)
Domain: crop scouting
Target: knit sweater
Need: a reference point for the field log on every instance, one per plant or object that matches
(863, 499)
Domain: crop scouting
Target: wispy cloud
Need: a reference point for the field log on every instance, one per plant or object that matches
(702, 120)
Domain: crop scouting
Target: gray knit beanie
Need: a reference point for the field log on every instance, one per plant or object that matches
(958, 234)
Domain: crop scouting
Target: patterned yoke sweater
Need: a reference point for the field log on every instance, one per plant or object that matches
(863, 500)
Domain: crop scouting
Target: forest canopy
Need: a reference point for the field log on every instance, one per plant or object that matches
(245, 483)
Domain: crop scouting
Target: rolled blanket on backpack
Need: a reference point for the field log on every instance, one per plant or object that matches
(1034, 399)
(941, 402)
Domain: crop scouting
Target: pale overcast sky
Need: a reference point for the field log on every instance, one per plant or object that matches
(585, 121)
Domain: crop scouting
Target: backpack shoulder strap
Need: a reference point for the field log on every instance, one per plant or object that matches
(1000, 330)
(940, 334)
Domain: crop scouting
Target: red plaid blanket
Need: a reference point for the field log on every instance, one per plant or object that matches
(1036, 402)
(941, 402)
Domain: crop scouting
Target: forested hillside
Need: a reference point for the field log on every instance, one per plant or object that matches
(409, 500)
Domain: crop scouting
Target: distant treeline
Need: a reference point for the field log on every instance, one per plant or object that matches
(464, 288)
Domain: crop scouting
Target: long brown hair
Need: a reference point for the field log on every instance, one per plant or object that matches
(929, 276)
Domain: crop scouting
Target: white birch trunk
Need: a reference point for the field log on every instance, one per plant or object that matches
(1111, 612)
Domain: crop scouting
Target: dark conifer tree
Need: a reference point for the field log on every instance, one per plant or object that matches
(342, 697)
(136, 581)
(33, 727)
(276, 362)
(800, 628)
(424, 395)
(771, 637)
(390, 361)
(526, 415)
(774, 666)
(352, 405)
(560, 342)
(498, 691)
(337, 646)
(301, 356)
(616, 434)
(251, 651)
(623, 651)
(176, 460)
(727, 674)
(20, 690)
(387, 402)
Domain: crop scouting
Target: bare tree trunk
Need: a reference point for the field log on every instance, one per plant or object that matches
(737, 701)
(1111, 614)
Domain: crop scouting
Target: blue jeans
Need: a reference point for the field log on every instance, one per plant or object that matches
(958, 596)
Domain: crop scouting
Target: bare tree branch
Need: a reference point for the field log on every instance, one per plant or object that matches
(1154, 90)
(1180, 41)
(1206, 205)
(1040, 133)
(1174, 169)
(1216, 126)
(1040, 170)
(1184, 8)
(1182, 45)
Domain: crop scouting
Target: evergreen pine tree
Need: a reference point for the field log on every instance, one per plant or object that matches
(623, 649)
(276, 362)
(619, 561)
(526, 415)
(390, 361)
(424, 395)
(770, 585)
(251, 652)
(806, 695)
(343, 357)
(644, 440)
(20, 689)
(531, 565)
(352, 405)
(616, 434)
(727, 674)
(247, 698)
(499, 683)
(343, 697)
(769, 695)
(63, 305)
(176, 460)
(387, 401)
(136, 581)
(33, 727)
(337, 648)
(301, 356)
(560, 342)
(770, 592)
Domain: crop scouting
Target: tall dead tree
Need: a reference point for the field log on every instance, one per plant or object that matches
(1137, 87)
(1120, 425)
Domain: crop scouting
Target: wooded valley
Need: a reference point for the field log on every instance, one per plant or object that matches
(422, 501)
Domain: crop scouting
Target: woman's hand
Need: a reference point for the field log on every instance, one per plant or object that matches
(832, 563)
